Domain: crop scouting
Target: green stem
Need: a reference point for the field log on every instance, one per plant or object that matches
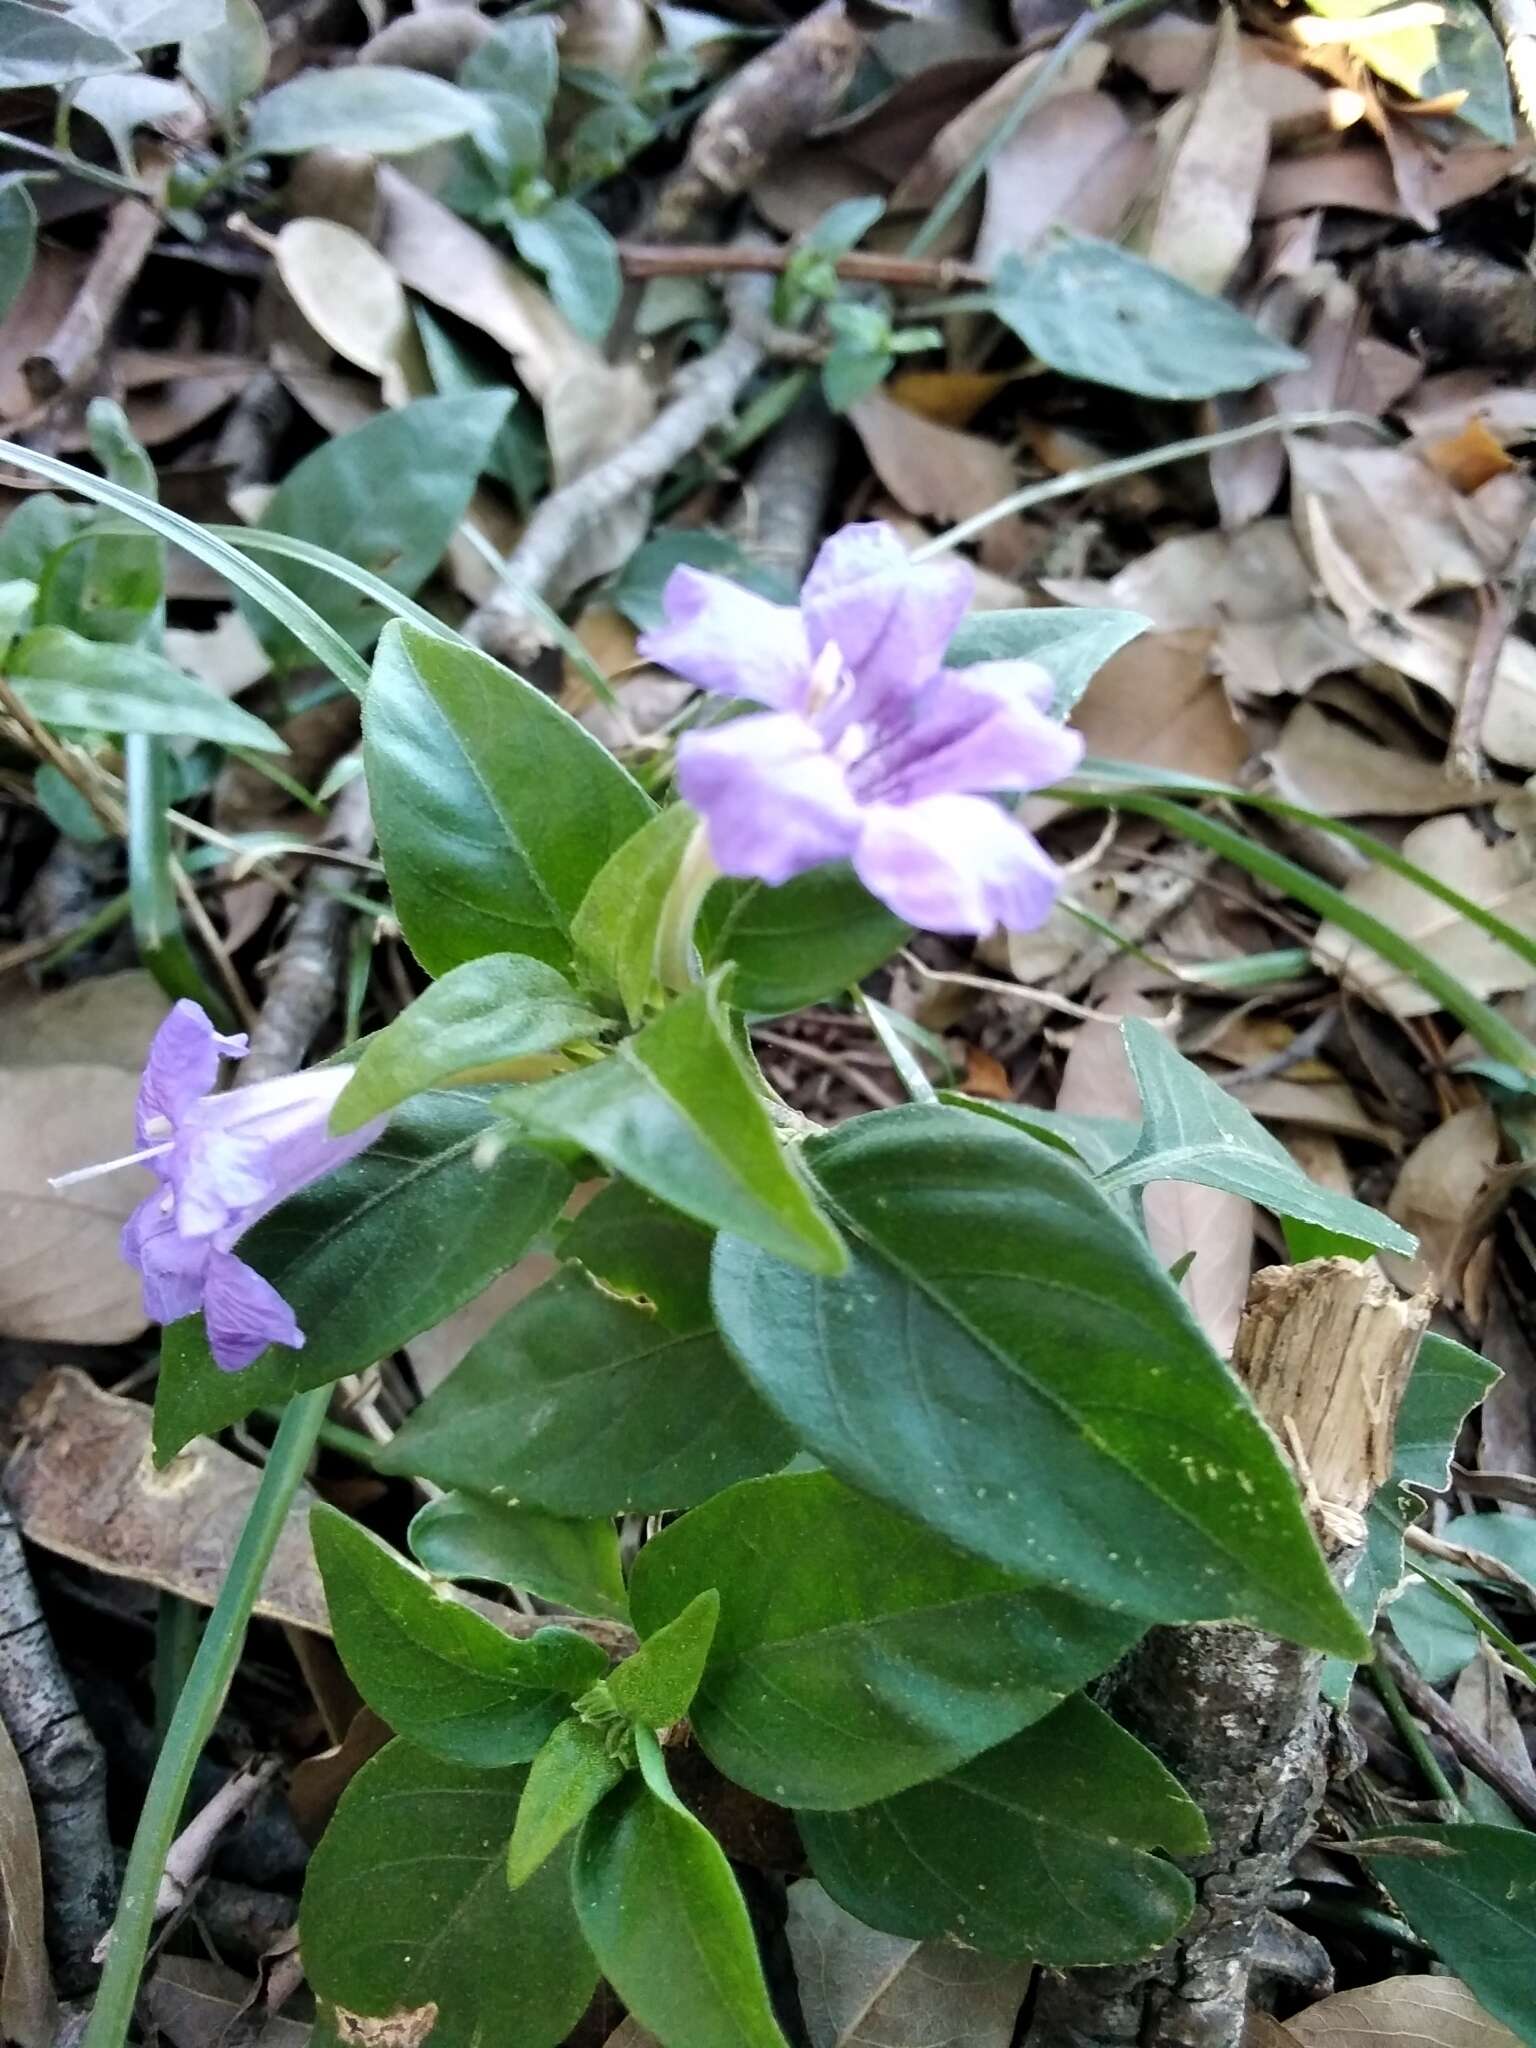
(1414, 1739)
(178, 1624)
(196, 1713)
(335, 1436)
(1091, 22)
(163, 944)
(696, 875)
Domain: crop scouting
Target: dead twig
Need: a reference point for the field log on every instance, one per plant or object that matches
(1478, 1756)
(1464, 759)
(78, 340)
(705, 395)
(791, 484)
(860, 266)
(197, 1841)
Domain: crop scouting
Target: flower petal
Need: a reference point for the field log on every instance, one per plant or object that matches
(170, 1265)
(974, 730)
(238, 1155)
(183, 1063)
(730, 641)
(955, 864)
(773, 798)
(891, 618)
(244, 1314)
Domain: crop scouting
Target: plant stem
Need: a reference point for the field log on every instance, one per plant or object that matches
(196, 1713)
(335, 1436)
(1413, 1737)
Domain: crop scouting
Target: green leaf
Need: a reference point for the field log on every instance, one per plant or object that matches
(579, 259)
(652, 1255)
(1194, 1130)
(227, 64)
(406, 1904)
(1099, 1142)
(380, 108)
(1447, 1383)
(1006, 1361)
(655, 1686)
(797, 944)
(843, 226)
(571, 1563)
(1039, 1849)
(88, 685)
(482, 1022)
(495, 810)
(863, 1989)
(1460, 55)
(369, 1256)
(18, 238)
(585, 1405)
(1096, 312)
(637, 589)
(851, 373)
(857, 1653)
(675, 1109)
(40, 46)
(665, 1920)
(521, 58)
(1440, 1639)
(518, 456)
(615, 929)
(1071, 646)
(389, 496)
(437, 1672)
(571, 1773)
(1376, 1578)
(1475, 1904)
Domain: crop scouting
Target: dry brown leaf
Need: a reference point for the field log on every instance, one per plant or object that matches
(346, 291)
(925, 181)
(106, 1020)
(1401, 2012)
(1435, 648)
(1206, 579)
(317, 1783)
(1328, 1106)
(1407, 533)
(1158, 703)
(1261, 2031)
(1436, 1187)
(1363, 181)
(1078, 163)
(61, 1274)
(1281, 657)
(935, 472)
(1170, 55)
(1202, 221)
(590, 414)
(1331, 766)
(196, 2003)
(1468, 458)
(1499, 878)
(631, 2034)
(1481, 1697)
(50, 290)
(1444, 406)
(950, 398)
(29, 2015)
(435, 253)
(82, 1482)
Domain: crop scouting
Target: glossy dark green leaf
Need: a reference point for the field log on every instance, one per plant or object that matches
(1039, 1849)
(579, 259)
(484, 1021)
(585, 1405)
(1474, 1903)
(666, 1922)
(640, 1248)
(495, 810)
(1446, 1384)
(1195, 1130)
(675, 1109)
(66, 680)
(381, 108)
(615, 929)
(1006, 1361)
(441, 1675)
(857, 1653)
(574, 1770)
(1070, 645)
(406, 1904)
(572, 1563)
(389, 495)
(655, 1686)
(381, 1249)
(798, 944)
(1101, 314)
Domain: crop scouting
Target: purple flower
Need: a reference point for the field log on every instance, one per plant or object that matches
(223, 1161)
(869, 750)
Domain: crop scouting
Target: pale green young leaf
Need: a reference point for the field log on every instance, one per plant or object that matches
(573, 1563)
(574, 1770)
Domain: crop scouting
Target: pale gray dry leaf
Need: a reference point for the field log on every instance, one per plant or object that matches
(1500, 878)
(1328, 1106)
(932, 471)
(196, 2003)
(862, 1989)
(1170, 54)
(1205, 579)
(1281, 657)
(959, 139)
(1436, 1187)
(81, 1482)
(435, 253)
(107, 1020)
(346, 291)
(1401, 2012)
(1078, 163)
(1201, 223)
(406, 2029)
(1363, 181)
(591, 413)
(28, 2013)
(1329, 765)
(1435, 649)
(1481, 1697)
(228, 657)
(62, 1277)
(1444, 406)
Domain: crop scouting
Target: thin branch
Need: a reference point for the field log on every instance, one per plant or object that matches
(1478, 1755)
(860, 266)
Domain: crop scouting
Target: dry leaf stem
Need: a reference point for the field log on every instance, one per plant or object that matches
(860, 266)
(1474, 1752)
(1325, 1349)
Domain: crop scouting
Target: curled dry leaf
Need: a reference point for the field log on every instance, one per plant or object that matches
(81, 1482)
(1401, 2012)
(1407, 532)
(346, 291)
(1436, 1187)
(1202, 220)
(408, 2028)
(1206, 579)
(1500, 878)
(1331, 766)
